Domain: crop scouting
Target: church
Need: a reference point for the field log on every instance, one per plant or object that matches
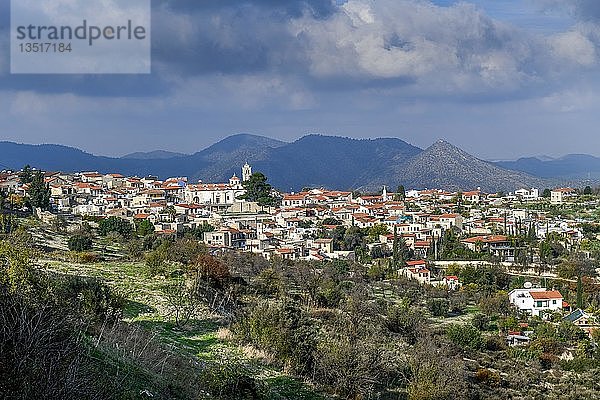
(220, 195)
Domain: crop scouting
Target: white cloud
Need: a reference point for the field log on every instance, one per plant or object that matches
(575, 47)
(450, 48)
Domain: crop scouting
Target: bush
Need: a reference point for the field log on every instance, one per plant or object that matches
(88, 297)
(85, 257)
(231, 379)
(495, 343)
(404, 321)
(465, 336)
(155, 261)
(35, 341)
(487, 377)
(579, 364)
(434, 374)
(481, 322)
(438, 307)
(212, 270)
(80, 242)
(569, 332)
(282, 329)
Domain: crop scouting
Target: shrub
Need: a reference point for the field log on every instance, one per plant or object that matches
(438, 307)
(155, 261)
(568, 332)
(282, 329)
(481, 322)
(495, 343)
(465, 336)
(80, 242)
(487, 377)
(85, 257)
(404, 321)
(232, 379)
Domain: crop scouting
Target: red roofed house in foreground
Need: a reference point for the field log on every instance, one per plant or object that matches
(536, 300)
(417, 270)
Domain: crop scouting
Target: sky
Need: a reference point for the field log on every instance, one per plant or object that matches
(499, 78)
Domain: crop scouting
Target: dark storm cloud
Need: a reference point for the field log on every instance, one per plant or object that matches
(329, 46)
(283, 8)
(193, 38)
(232, 37)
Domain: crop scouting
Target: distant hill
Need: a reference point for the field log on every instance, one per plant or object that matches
(444, 165)
(153, 155)
(313, 160)
(572, 166)
(54, 157)
(330, 161)
(215, 162)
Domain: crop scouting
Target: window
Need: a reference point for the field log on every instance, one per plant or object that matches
(539, 304)
(553, 301)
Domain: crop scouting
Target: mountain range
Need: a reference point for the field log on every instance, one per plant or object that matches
(314, 161)
(570, 167)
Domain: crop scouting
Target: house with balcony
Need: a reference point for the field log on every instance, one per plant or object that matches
(536, 301)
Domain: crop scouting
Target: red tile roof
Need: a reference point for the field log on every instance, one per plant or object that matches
(547, 295)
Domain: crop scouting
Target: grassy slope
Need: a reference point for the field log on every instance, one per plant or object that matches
(204, 338)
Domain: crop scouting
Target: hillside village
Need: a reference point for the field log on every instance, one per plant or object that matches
(294, 229)
(303, 225)
(523, 262)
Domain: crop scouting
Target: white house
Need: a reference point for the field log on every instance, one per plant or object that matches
(417, 270)
(558, 196)
(528, 194)
(452, 282)
(536, 300)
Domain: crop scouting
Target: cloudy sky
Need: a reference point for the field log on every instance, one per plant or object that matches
(499, 78)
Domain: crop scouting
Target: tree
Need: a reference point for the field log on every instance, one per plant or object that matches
(185, 250)
(3, 197)
(376, 230)
(434, 373)
(353, 238)
(495, 304)
(331, 221)
(199, 231)
(144, 227)
(587, 190)
(171, 212)
(400, 193)
(116, 224)
(404, 320)
(181, 300)
(481, 322)
(569, 332)
(39, 192)
(579, 292)
(26, 175)
(8, 221)
(258, 190)
(59, 224)
(395, 249)
(546, 193)
(211, 270)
